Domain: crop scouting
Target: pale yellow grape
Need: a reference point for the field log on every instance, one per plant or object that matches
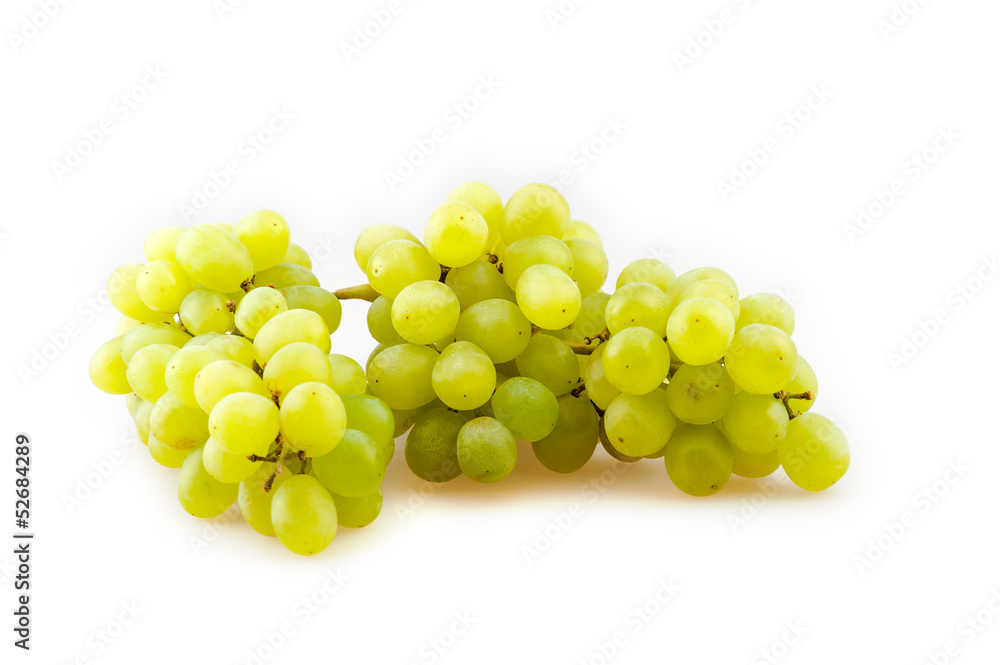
(400, 376)
(582, 231)
(141, 415)
(700, 330)
(590, 265)
(762, 359)
(347, 376)
(399, 263)
(651, 271)
(591, 321)
(533, 251)
(639, 425)
(225, 466)
(304, 515)
(755, 423)
(317, 300)
(285, 275)
(182, 369)
(163, 285)
(124, 296)
(255, 501)
(160, 244)
(356, 512)
(548, 297)
(374, 237)
(313, 418)
(125, 324)
(552, 363)
(224, 377)
(477, 282)
(684, 281)
(199, 493)
(487, 203)
(699, 460)
(464, 377)
(244, 423)
(177, 425)
(700, 394)
(107, 369)
(804, 381)
(152, 333)
(379, 321)
(257, 308)
(294, 364)
(204, 311)
(638, 304)
(766, 308)
(297, 255)
(534, 210)
(234, 347)
(748, 465)
(496, 326)
(131, 399)
(265, 234)
(214, 258)
(456, 234)
(599, 389)
(814, 452)
(145, 371)
(225, 226)
(425, 312)
(636, 361)
(713, 289)
(201, 340)
(295, 325)
(165, 455)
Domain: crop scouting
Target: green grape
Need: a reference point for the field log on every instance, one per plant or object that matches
(637, 304)
(297, 255)
(257, 308)
(145, 370)
(151, 333)
(814, 452)
(463, 376)
(572, 443)
(204, 311)
(124, 296)
(456, 234)
(265, 234)
(160, 244)
(316, 300)
(487, 451)
(534, 251)
(163, 285)
(126, 324)
(255, 500)
(611, 450)
(749, 465)
(372, 416)
(713, 289)
(804, 381)
(425, 311)
(200, 494)
(355, 467)
(313, 418)
(534, 210)
(650, 271)
(303, 515)
(403, 420)
(214, 258)
(476, 282)
(686, 280)
(487, 203)
(142, 413)
(548, 297)
(636, 361)
(182, 369)
(590, 322)
(245, 423)
(526, 407)
(224, 466)
(755, 423)
(295, 325)
(766, 308)
(347, 376)
(700, 394)
(107, 369)
(354, 512)
(225, 226)
(432, 446)
(397, 264)
(233, 347)
(225, 377)
(550, 362)
(599, 389)
(380, 322)
(374, 237)
(497, 327)
(201, 340)
(699, 460)
(131, 400)
(639, 425)
(590, 265)
(762, 359)
(295, 364)
(165, 455)
(582, 231)
(178, 425)
(285, 275)
(400, 376)
(700, 330)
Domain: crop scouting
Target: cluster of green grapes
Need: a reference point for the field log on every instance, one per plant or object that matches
(495, 329)
(223, 351)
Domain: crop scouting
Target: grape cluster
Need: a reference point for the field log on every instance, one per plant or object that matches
(223, 351)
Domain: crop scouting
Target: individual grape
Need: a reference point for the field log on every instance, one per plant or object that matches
(550, 362)
(534, 210)
(380, 322)
(456, 234)
(347, 376)
(650, 271)
(403, 420)
(432, 445)
(316, 300)
(685, 280)
(400, 376)
(255, 500)
(313, 418)
(699, 460)
(572, 442)
(599, 389)
(265, 234)
(124, 296)
(165, 455)
(244, 423)
(200, 494)
(755, 423)
(526, 407)
(151, 333)
(145, 370)
(372, 416)
(214, 258)
(374, 237)
(637, 304)
(182, 369)
(178, 425)
(591, 321)
(399, 263)
(762, 359)
(355, 467)
(639, 425)
(257, 308)
(225, 377)
(476, 282)
(163, 285)
(160, 244)
(295, 325)
(224, 466)
(804, 381)
(201, 340)
(590, 265)
(142, 413)
(297, 255)
(233, 347)
(548, 297)
(303, 515)
(107, 369)
(498, 327)
(582, 231)
(700, 394)
(534, 251)
(749, 465)
(294, 364)
(131, 400)
(611, 450)
(487, 203)
(285, 275)
(766, 308)
(463, 376)
(713, 289)
(700, 330)
(203, 311)
(425, 311)
(126, 324)
(814, 452)
(636, 361)
(354, 512)
(487, 451)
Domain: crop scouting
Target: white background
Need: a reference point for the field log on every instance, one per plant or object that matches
(867, 571)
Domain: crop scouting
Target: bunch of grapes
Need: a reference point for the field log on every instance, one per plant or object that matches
(223, 351)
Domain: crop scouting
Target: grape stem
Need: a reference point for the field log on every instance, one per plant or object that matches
(784, 397)
(247, 285)
(231, 305)
(579, 348)
(359, 292)
(604, 336)
(492, 258)
(579, 390)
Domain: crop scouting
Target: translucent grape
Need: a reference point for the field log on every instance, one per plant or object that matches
(487, 451)
(145, 370)
(286, 275)
(650, 271)
(498, 327)
(244, 423)
(201, 340)
(590, 265)
(611, 450)
(698, 459)
(355, 467)
(125, 298)
(225, 377)
(804, 381)
(599, 389)
(755, 423)
(372, 416)
(374, 237)
(637, 304)
(234, 347)
(380, 322)
(639, 425)
(548, 297)
(762, 359)
(399, 263)
(534, 210)
(142, 413)
(200, 494)
(160, 244)
(178, 425)
(297, 255)
(182, 369)
(534, 251)
(700, 394)
(204, 311)
(265, 234)
(583, 231)
(224, 466)
(294, 364)
(257, 308)
(700, 330)
(126, 324)
(685, 280)
(476, 282)
(313, 418)
(713, 289)
(766, 308)
(550, 362)
(359, 511)
(456, 234)
(400, 376)
(165, 455)
(814, 452)
(590, 322)
(107, 369)
(432, 445)
(425, 311)
(487, 203)
(316, 300)
(526, 407)
(347, 376)
(214, 258)
(403, 420)
(572, 442)
(163, 285)
(303, 515)
(636, 361)
(749, 465)
(255, 500)
(463, 376)
(151, 333)
(295, 325)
